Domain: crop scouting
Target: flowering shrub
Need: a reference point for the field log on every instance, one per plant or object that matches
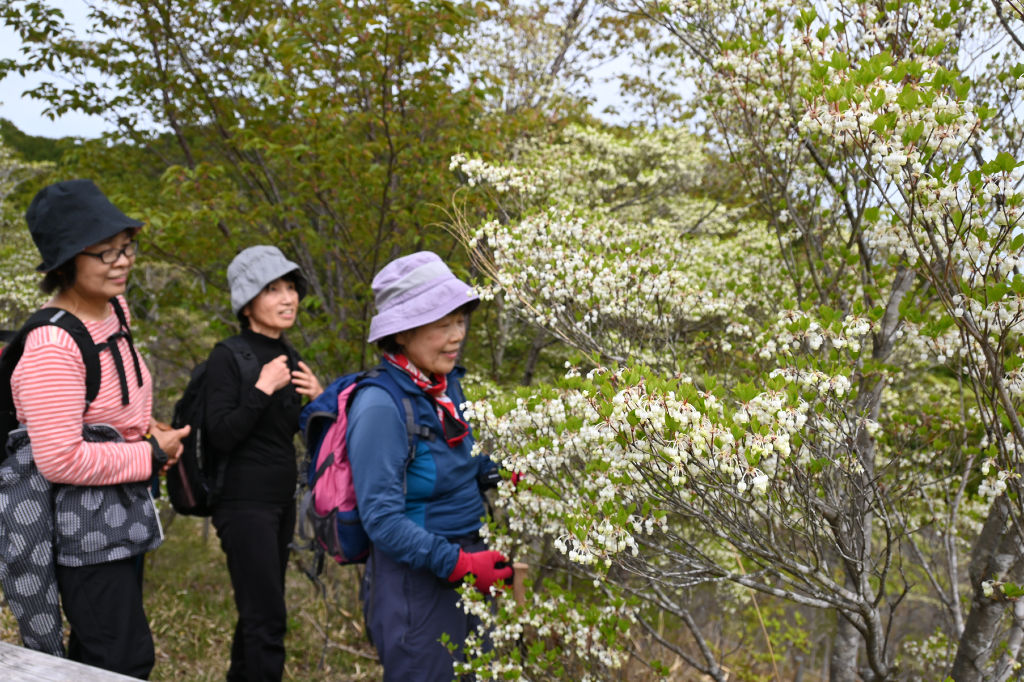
(18, 257)
(817, 397)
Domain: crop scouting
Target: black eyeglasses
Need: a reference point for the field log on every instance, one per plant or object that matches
(110, 256)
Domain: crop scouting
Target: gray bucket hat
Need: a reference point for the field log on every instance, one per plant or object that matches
(415, 290)
(255, 268)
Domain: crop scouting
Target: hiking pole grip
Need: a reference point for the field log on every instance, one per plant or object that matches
(519, 571)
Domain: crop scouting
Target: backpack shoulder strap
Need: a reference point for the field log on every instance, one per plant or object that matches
(122, 319)
(293, 355)
(79, 334)
(12, 352)
(380, 378)
(249, 371)
(125, 332)
(248, 364)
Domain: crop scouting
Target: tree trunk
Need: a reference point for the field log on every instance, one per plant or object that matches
(539, 341)
(1005, 669)
(997, 556)
(843, 663)
(500, 339)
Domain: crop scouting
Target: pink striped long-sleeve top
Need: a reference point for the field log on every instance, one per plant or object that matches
(49, 395)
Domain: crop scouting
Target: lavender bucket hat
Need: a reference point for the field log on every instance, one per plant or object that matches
(256, 267)
(415, 290)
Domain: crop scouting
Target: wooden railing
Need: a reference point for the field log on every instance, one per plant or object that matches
(18, 664)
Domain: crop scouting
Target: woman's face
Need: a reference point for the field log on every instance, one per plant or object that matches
(274, 309)
(434, 347)
(99, 280)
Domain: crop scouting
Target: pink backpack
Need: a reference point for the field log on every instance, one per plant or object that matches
(329, 504)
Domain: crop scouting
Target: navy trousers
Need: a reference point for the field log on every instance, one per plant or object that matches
(255, 540)
(406, 613)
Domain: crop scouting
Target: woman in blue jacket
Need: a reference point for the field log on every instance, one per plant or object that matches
(422, 514)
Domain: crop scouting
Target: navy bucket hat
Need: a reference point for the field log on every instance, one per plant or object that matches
(67, 217)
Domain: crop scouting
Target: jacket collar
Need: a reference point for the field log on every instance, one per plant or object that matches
(409, 386)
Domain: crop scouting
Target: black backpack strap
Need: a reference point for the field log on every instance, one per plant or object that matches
(249, 372)
(79, 334)
(412, 428)
(12, 353)
(123, 332)
(248, 364)
(293, 355)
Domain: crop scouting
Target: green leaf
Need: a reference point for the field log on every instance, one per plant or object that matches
(746, 392)
(1013, 591)
(884, 123)
(908, 99)
(878, 98)
(839, 61)
(816, 465)
(913, 133)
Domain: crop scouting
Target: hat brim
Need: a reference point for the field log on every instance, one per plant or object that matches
(301, 284)
(427, 304)
(69, 254)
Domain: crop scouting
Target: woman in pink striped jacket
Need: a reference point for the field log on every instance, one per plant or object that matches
(98, 455)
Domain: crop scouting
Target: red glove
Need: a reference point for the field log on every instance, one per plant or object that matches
(515, 478)
(484, 565)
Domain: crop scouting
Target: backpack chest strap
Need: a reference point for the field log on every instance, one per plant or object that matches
(115, 352)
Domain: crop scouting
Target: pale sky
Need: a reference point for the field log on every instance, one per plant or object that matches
(27, 113)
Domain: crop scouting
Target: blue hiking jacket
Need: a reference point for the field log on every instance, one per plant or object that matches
(441, 499)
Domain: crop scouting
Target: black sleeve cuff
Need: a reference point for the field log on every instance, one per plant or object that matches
(159, 456)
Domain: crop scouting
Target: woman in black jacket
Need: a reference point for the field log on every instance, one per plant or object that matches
(251, 422)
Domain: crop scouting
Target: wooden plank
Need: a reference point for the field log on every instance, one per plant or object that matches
(18, 664)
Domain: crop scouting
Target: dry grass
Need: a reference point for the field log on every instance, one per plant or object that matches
(191, 611)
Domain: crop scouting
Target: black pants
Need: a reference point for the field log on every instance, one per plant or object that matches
(256, 540)
(109, 630)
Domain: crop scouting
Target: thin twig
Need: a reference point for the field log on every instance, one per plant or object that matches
(760, 619)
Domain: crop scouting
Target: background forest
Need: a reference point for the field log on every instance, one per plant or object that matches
(755, 346)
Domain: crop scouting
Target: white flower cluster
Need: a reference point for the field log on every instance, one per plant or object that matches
(614, 286)
(551, 614)
(587, 166)
(917, 138)
(945, 127)
(1014, 382)
(928, 658)
(995, 478)
(797, 331)
(502, 178)
(917, 349)
(815, 380)
(599, 444)
(1000, 316)
(19, 292)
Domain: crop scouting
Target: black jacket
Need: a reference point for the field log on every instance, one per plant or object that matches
(253, 430)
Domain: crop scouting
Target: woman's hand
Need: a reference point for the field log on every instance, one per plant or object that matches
(169, 441)
(306, 382)
(274, 376)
